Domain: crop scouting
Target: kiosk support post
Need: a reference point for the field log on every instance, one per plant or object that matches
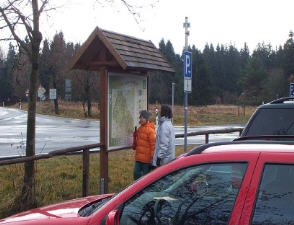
(103, 131)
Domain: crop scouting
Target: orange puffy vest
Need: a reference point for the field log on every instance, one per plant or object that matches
(145, 142)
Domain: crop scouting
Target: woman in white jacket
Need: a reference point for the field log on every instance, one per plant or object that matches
(165, 138)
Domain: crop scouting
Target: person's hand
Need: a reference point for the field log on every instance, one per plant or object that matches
(158, 161)
(152, 167)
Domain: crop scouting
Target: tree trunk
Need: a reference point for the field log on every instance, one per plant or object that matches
(56, 109)
(89, 107)
(88, 96)
(56, 106)
(27, 199)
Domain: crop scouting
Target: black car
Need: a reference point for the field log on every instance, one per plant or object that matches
(272, 119)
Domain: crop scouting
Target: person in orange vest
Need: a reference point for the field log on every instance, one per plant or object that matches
(144, 142)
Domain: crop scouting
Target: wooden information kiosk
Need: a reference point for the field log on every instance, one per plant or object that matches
(123, 63)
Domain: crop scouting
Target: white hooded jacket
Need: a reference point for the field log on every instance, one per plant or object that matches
(165, 142)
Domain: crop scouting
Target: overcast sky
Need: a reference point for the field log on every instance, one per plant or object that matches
(212, 21)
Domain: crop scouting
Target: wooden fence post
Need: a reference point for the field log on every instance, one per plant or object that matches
(86, 165)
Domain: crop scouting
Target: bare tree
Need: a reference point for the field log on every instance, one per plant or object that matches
(85, 85)
(21, 18)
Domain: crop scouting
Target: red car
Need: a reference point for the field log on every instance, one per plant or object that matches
(245, 182)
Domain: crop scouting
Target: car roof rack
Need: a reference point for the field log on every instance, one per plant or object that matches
(281, 100)
(276, 138)
(242, 140)
(201, 148)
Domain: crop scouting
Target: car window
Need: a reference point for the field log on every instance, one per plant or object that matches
(203, 194)
(275, 201)
(272, 122)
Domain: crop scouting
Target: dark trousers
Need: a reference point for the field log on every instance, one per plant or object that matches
(140, 169)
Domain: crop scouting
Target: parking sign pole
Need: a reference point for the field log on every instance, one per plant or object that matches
(173, 97)
(186, 26)
(186, 118)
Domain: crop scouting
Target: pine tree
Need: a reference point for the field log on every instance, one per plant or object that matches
(288, 62)
(201, 82)
(254, 80)
(45, 66)
(57, 66)
(161, 80)
(6, 70)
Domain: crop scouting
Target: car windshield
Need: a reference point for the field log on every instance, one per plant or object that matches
(200, 194)
(272, 122)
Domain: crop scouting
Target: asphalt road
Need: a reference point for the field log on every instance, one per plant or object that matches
(54, 133)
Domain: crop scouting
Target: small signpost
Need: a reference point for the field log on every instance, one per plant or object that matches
(41, 92)
(27, 92)
(68, 86)
(291, 94)
(52, 94)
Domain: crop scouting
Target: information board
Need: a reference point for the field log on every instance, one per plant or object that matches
(127, 96)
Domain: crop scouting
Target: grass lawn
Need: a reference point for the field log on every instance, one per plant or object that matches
(60, 178)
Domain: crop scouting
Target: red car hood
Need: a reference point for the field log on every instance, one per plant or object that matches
(65, 211)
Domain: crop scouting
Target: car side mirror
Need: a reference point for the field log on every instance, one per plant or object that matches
(113, 217)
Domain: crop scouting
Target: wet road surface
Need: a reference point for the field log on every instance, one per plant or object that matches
(54, 133)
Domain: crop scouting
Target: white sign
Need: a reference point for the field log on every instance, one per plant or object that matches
(27, 92)
(187, 85)
(68, 89)
(52, 94)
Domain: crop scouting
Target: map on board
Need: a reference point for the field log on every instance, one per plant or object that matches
(127, 97)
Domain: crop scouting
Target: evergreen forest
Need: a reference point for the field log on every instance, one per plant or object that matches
(222, 74)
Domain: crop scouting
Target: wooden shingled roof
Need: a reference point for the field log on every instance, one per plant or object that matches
(106, 48)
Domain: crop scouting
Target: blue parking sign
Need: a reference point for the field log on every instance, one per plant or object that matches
(291, 89)
(187, 65)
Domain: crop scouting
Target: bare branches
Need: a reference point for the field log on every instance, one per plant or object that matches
(44, 3)
(25, 21)
(12, 17)
(21, 19)
(3, 27)
(131, 9)
(11, 25)
(6, 39)
(134, 7)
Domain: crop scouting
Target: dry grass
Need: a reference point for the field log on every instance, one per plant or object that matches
(66, 109)
(211, 114)
(60, 178)
(197, 115)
